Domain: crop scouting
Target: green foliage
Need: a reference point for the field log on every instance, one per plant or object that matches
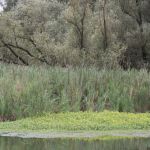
(76, 32)
(79, 121)
(28, 91)
(30, 32)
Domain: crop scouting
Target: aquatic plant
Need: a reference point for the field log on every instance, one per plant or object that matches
(81, 121)
(29, 91)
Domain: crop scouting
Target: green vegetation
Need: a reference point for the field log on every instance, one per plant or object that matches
(74, 59)
(81, 121)
(99, 33)
(30, 91)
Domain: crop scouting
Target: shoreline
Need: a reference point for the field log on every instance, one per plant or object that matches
(71, 134)
(82, 122)
(79, 125)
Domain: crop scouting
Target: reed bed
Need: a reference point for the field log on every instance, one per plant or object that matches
(30, 91)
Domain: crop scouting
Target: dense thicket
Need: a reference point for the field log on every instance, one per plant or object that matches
(101, 33)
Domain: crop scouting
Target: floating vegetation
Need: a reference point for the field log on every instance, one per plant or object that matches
(81, 121)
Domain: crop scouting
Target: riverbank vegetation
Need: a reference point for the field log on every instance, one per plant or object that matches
(81, 121)
(29, 91)
(70, 60)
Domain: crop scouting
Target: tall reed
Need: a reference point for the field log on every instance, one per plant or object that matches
(28, 91)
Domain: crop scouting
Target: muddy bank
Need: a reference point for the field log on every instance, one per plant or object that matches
(50, 135)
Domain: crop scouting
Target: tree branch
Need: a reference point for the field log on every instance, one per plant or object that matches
(14, 53)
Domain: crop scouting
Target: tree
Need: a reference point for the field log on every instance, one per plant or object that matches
(73, 32)
(136, 35)
(77, 16)
(9, 4)
(26, 36)
(103, 22)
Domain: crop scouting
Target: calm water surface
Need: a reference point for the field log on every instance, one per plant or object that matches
(68, 144)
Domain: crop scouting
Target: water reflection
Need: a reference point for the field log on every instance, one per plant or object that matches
(69, 144)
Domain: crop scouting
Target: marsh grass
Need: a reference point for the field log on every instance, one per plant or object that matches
(29, 91)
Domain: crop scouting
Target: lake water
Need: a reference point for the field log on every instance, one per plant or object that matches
(70, 144)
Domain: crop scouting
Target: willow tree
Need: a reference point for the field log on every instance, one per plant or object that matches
(27, 32)
(136, 24)
(77, 15)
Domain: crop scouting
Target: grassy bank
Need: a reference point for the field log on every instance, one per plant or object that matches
(81, 121)
(29, 91)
